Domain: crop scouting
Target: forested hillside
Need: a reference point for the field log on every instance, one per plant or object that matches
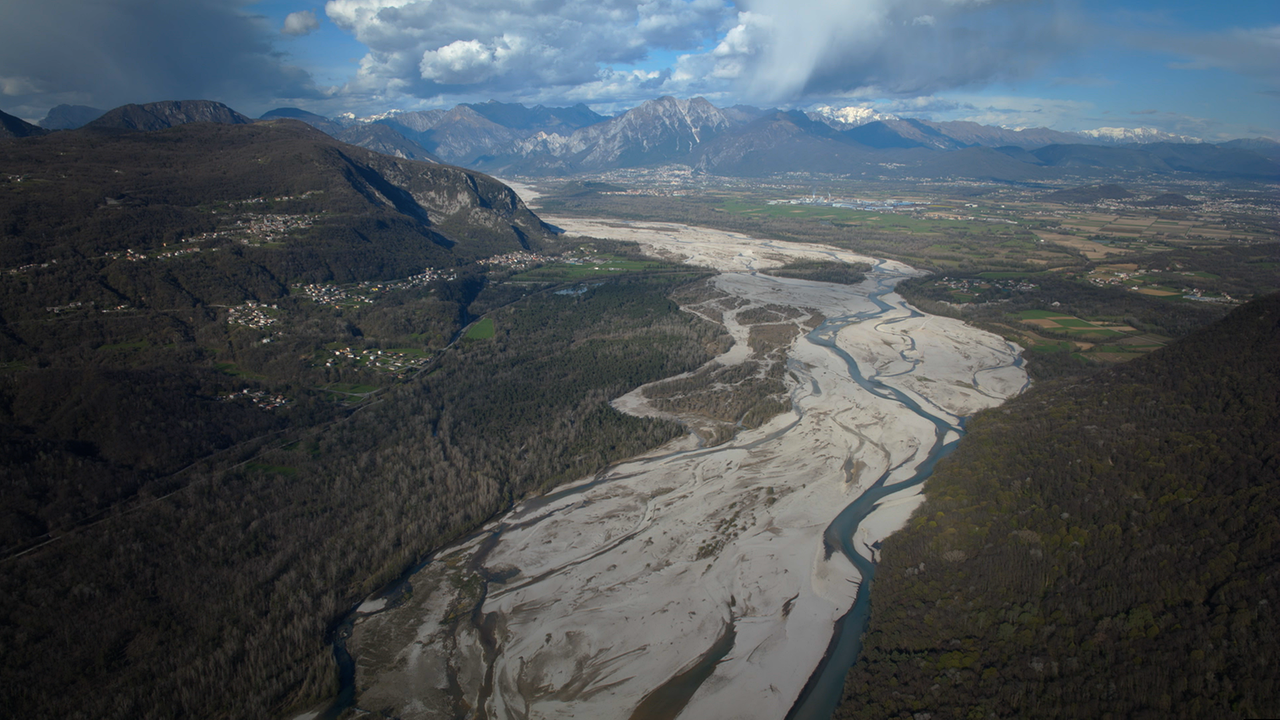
(214, 601)
(1098, 547)
(156, 288)
(235, 398)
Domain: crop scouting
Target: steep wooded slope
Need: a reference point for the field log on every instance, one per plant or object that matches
(1104, 547)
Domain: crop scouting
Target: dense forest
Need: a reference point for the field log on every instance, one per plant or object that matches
(214, 600)
(1098, 547)
(235, 397)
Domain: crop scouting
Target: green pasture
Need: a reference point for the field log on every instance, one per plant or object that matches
(351, 388)
(1093, 331)
(1051, 347)
(601, 267)
(234, 371)
(482, 330)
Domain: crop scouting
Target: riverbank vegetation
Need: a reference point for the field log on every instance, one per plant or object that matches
(742, 395)
(1096, 548)
(822, 271)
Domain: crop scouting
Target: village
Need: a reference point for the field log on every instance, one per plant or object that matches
(252, 314)
(259, 398)
(520, 260)
(392, 361)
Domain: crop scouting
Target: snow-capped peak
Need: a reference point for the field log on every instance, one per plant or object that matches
(848, 117)
(1136, 135)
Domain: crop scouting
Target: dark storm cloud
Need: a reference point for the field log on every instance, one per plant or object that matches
(107, 53)
(913, 47)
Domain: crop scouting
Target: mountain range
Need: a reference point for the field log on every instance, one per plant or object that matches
(750, 142)
(511, 139)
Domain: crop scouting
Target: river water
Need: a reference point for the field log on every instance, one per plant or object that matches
(703, 581)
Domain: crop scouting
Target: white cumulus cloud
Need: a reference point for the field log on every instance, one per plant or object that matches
(762, 51)
(303, 22)
(430, 47)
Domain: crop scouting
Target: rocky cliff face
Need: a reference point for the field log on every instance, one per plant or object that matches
(659, 130)
(452, 198)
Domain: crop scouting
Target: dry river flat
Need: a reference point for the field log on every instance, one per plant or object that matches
(697, 572)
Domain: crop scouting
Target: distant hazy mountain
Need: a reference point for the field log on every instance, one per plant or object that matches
(538, 118)
(971, 133)
(747, 141)
(896, 134)
(15, 127)
(1213, 159)
(171, 113)
(1263, 146)
(382, 139)
(319, 122)
(70, 117)
(743, 114)
(781, 142)
(459, 135)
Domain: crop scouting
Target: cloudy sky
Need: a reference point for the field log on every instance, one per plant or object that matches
(1208, 69)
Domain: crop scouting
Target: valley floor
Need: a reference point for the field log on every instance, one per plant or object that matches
(697, 572)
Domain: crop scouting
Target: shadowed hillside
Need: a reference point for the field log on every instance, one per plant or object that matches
(1102, 547)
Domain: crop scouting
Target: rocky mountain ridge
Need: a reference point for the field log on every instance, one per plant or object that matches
(512, 139)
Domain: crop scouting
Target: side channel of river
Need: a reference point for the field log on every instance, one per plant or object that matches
(822, 693)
